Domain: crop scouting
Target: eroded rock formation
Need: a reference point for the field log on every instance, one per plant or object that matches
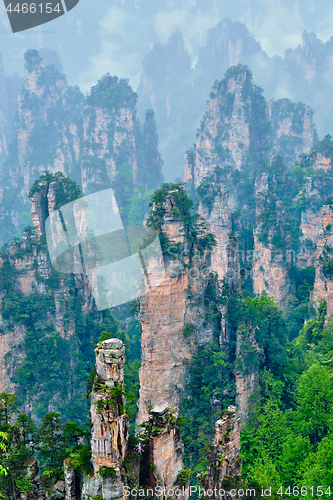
(163, 457)
(37, 490)
(165, 311)
(220, 224)
(29, 282)
(318, 234)
(110, 427)
(239, 128)
(224, 457)
(225, 135)
(90, 140)
(293, 131)
(270, 273)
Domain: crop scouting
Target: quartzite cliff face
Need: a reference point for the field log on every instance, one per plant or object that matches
(243, 152)
(317, 242)
(165, 311)
(160, 445)
(241, 132)
(270, 274)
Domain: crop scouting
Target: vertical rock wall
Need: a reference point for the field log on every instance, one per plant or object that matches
(317, 238)
(106, 130)
(224, 136)
(220, 224)
(293, 131)
(10, 356)
(239, 128)
(270, 274)
(91, 140)
(164, 312)
(319, 230)
(110, 422)
(27, 269)
(27, 278)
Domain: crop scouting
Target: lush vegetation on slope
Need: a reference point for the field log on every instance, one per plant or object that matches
(290, 439)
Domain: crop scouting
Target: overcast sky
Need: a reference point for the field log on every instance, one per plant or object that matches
(103, 36)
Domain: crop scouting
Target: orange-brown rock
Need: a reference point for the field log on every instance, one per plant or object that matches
(39, 212)
(165, 449)
(316, 239)
(167, 454)
(164, 312)
(224, 456)
(314, 234)
(269, 276)
(322, 162)
(323, 289)
(319, 231)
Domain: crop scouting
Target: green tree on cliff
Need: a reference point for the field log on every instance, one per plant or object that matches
(8, 405)
(315, 402)
(49, 435)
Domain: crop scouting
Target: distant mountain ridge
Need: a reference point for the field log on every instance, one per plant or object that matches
(176, 91)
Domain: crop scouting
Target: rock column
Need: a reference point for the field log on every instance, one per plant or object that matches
(224, 456)
(110, 427)
(165, 453)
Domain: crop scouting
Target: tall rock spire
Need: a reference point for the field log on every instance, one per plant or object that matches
(110, 427)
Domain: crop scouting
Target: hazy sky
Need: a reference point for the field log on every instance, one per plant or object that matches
(103, 36)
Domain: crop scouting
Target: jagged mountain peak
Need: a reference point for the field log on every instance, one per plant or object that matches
(228, 43)
(234, 129)
(240, 128)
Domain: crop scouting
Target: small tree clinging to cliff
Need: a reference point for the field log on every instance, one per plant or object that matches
(195, 227)
(66, 191)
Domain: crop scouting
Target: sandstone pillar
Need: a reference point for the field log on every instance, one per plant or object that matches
(110, 425)
(224, 456)
(164, 313)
